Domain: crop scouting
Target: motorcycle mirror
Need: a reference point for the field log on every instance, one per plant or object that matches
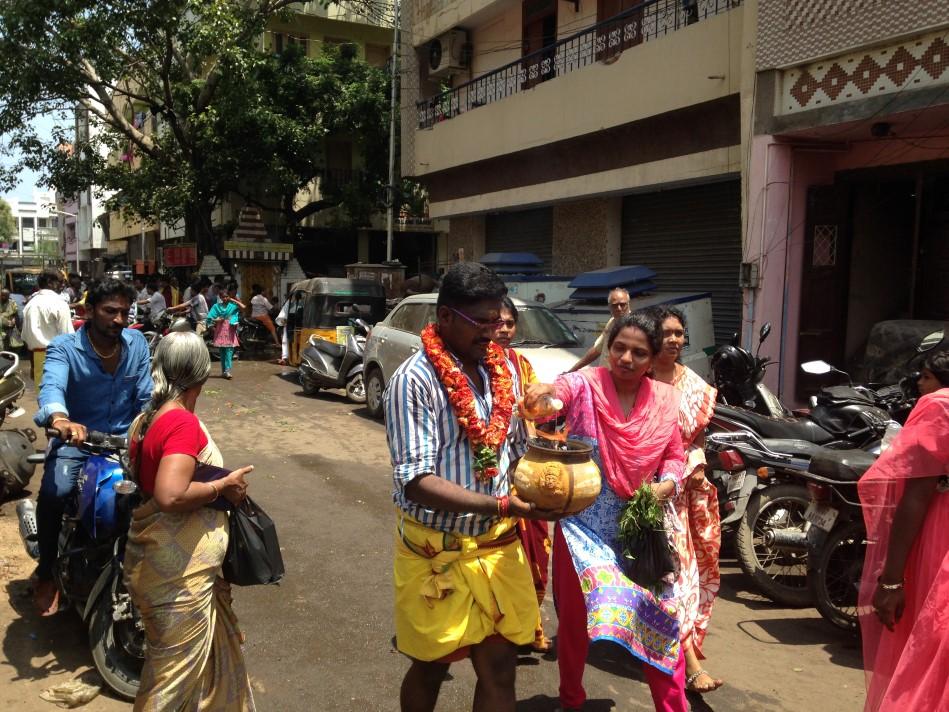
(817, 368)
(735, 339)
(765, 330)
(931, 341)
(125, 487)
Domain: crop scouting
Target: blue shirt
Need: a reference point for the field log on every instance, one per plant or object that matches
(75, 383)
(425, 438)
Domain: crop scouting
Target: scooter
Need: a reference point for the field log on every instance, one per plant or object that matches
(738, 375)
(16, 445)
(253, 336)
(325, 364)
(88, 568)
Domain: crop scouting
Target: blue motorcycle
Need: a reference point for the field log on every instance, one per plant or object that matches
(88, 569)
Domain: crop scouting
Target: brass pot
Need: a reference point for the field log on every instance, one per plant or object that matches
(561, 480)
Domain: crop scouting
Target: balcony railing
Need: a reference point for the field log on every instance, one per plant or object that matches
(606, 40)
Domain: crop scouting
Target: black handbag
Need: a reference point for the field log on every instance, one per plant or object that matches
(651, 558)
(253, 551)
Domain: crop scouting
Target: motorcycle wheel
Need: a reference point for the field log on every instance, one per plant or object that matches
(308, 388)
(118, 647)
(834, 578)
(374, 390)
(780, 576)
(356, 389)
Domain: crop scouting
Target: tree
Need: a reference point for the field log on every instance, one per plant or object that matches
(158, 77)
(8, 231)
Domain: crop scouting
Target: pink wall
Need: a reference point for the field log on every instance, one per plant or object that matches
(780, 173)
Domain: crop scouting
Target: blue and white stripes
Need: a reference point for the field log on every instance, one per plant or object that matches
(424, 437)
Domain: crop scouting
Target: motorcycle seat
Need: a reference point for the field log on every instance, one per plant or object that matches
(798, 448)
(329, 348)
(842, 465)
(777, 428)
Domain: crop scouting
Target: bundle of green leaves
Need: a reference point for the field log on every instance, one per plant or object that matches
(642, 513)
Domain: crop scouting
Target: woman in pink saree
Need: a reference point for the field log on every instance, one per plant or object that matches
(904, 596)
(698, 530)
(632, 423)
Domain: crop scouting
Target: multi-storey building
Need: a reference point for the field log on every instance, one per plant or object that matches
(37, 222)
(848, 197)
(592, 133)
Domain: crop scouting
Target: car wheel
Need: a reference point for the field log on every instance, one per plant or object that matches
(374, 390)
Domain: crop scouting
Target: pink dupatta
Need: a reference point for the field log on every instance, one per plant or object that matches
(907, 668)
(633, 450)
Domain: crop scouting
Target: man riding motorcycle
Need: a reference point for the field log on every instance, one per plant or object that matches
(98, 378)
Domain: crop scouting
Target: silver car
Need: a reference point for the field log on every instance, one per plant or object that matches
(542, 337)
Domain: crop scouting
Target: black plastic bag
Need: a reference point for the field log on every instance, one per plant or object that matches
(253, 551)
(649, 558)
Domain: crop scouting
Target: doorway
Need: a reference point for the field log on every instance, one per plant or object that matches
(876, 248)
(540, 32)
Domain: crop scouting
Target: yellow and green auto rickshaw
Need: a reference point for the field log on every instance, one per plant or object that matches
(324, 306)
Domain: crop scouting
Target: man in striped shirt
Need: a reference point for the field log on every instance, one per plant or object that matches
(462, 583)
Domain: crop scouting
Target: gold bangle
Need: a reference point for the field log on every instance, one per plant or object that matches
(217, 492)
(57, 420)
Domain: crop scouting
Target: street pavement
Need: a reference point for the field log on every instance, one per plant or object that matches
(323, 638)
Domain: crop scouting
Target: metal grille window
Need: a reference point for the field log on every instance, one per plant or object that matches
(825, 246)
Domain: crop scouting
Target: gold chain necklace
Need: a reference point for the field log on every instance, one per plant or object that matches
(103, 356)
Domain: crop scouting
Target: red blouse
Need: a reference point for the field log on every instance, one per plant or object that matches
(175, 432)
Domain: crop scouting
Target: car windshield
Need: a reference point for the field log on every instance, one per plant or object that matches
(540, 326)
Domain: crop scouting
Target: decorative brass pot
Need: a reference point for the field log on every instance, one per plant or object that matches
(561, 480)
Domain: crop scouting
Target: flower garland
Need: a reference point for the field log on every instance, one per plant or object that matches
(485, 438)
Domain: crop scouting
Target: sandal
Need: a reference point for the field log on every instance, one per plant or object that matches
(692, 687)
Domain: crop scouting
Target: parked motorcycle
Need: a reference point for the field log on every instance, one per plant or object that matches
(836, 537)
(760, 491)
(253, 336)
(325, 364)
(16, 445)
(88, 569)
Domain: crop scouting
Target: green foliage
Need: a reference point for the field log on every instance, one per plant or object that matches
(7, 222)
(642, 512)
(222, 113)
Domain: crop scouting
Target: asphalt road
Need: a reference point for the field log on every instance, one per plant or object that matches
(323, 638)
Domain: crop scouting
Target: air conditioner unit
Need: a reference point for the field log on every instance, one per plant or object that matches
(448, 54)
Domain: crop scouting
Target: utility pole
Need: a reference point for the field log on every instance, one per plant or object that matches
(393, 109)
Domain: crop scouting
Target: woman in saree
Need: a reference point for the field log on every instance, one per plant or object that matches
(631, 421)
(904, 593)
(177, 542)
(698, 532)
(534, 533)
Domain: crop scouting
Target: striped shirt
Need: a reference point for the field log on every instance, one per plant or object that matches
(425, 438)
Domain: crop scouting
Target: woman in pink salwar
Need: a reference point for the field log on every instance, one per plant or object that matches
(904, 596)
(631, 421)
(698, 531)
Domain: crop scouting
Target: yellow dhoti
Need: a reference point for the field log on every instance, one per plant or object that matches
(453, 591)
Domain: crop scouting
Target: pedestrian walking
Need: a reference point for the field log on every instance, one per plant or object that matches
(462, 584)
(176, 545)
(534, 533)
(904, 593)
(697, 535)
(224, 317)
(632, 422)
(45, 317)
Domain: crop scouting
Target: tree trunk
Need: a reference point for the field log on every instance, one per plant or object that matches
(200, 231)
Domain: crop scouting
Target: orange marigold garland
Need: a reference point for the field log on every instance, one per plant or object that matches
(486, 438)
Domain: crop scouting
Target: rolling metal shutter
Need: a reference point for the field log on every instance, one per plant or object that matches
(522, 231)
(691, 237)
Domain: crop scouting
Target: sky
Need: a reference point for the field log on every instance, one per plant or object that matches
(28, 179)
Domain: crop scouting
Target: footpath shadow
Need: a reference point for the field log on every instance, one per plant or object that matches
(30, 639)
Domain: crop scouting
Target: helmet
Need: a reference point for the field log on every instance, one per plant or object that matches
(731, 365)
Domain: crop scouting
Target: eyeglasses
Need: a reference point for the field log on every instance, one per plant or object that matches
(492, 324)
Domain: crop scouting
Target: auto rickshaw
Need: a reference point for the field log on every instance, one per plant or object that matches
(320, 305)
